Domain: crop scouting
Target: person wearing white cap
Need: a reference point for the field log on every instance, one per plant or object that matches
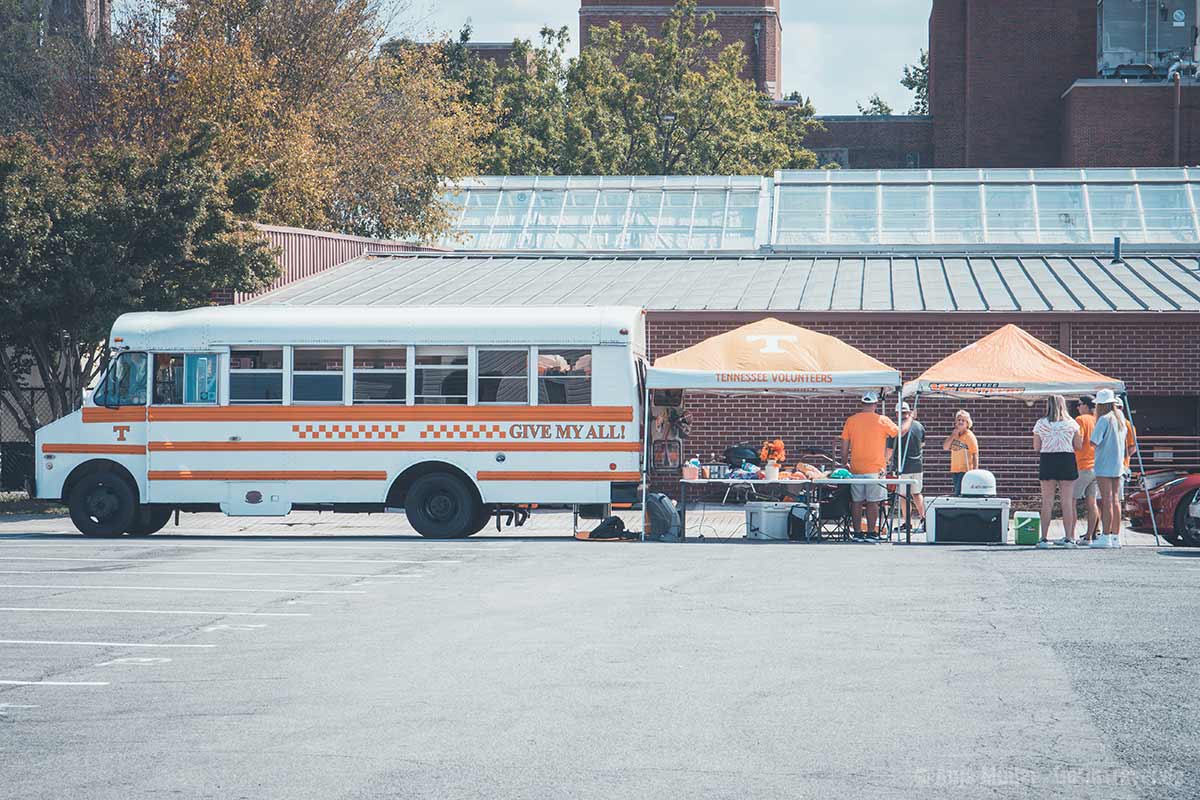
(865, 441)
(912, 437)
(1109, 438)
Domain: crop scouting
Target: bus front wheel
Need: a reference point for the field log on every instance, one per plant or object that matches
(441, 506)
(102, 503)
(150, 520)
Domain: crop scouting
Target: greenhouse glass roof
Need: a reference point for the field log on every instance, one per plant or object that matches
(861, 209)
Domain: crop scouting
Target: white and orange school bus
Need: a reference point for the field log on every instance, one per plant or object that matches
(453, 414)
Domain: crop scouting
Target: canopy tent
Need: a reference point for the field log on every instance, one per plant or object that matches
(771, 356)
(1009, 362)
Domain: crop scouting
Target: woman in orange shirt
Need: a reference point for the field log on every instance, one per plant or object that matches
(963, 447)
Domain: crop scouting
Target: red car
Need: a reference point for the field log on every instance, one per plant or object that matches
(1176, 498)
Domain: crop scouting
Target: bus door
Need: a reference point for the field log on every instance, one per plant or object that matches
(182, 384)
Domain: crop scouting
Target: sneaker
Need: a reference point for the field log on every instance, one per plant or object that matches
(1044, 544)
(1070, 544)
(1107, 541)
(1100, 542)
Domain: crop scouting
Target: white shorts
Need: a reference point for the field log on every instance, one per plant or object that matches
(867, 492)
(1086, 486)
(915, 488)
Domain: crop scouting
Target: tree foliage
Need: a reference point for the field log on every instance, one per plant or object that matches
(632, 103)
(85, 239)
(916, 79)
(875, 106)
(359, 139)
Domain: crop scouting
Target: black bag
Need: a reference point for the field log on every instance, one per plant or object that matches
(663, 517)
(801, 523)
(609, 528)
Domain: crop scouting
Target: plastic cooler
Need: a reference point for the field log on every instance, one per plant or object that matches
(1027, 527)
(767, 520)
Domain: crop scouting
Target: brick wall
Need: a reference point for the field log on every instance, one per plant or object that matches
(1152, 357)
(1111, 124)
(998, 73)
(892, 142)
(736, 21)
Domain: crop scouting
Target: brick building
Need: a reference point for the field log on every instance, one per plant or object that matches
(874, 142)
(754, 23)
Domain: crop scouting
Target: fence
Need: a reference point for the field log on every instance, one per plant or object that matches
(16, 447)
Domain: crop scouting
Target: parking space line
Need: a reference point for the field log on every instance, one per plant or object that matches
(53, 683)
(299, 543)
(178, 589)
(189, 613)
(104, 644)
(233, 574)
(224, 560)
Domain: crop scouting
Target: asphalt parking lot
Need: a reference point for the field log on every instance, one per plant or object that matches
(318, 660)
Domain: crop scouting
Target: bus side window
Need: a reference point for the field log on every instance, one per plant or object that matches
(564, 376)
(125, 382)
(185, 378)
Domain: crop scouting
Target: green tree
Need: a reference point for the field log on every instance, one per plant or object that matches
(916, 79)
(875, 107)
(632, 103)
(111, 231)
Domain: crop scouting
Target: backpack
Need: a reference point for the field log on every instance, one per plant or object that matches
(610, 529)
(663, 518)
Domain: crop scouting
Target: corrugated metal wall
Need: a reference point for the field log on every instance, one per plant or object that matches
(304, 253)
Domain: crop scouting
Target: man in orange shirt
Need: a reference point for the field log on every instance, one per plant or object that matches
(865, 435)
(1086, 488)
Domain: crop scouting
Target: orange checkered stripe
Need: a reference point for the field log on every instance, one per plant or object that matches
(464, 431)
(363, 431)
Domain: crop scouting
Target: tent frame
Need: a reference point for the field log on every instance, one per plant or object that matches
(646, 430)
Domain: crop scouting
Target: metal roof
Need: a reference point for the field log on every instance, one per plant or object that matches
(828, 208)
(909, 282)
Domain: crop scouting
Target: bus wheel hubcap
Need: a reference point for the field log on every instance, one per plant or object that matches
(440, 507)
(102, 503)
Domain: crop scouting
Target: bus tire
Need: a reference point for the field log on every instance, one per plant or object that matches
(150, 519)
(102, 503)
(480, 522)
(441, 506)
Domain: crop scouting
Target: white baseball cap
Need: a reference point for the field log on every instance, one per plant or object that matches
(1119, 403)
(871, 397)
(905, 408)
(1105, 396)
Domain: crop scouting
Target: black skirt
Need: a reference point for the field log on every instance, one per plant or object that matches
(1057, 467)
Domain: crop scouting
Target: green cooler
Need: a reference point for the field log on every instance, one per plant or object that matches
(1027, 527)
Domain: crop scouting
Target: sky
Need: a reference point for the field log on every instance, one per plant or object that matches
(838, 52)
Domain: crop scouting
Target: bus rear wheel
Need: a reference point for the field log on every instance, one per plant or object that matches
(441, 506)
(102, 503)
(150, 519)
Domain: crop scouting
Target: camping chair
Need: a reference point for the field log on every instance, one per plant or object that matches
(833, 512)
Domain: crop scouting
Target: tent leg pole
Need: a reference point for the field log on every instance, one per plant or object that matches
(895, 515)
(1137, 448)
(645, 458)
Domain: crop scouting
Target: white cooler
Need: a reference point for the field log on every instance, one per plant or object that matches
(967, 520)
(767, 520)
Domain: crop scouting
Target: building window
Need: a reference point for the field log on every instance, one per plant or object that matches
(185, 379)
(380, 374)
(503, 376)
(256, 375)
(317, 375)
(833, 155)
(440, 375)
(564, 376)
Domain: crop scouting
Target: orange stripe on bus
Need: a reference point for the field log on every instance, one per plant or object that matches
(373, 413)
(267, 475)
(107, 449)
(558, 476)
(127, 414)
(423, 447)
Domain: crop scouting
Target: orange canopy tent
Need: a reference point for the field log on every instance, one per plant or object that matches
(772, 356)
(1009, 362)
